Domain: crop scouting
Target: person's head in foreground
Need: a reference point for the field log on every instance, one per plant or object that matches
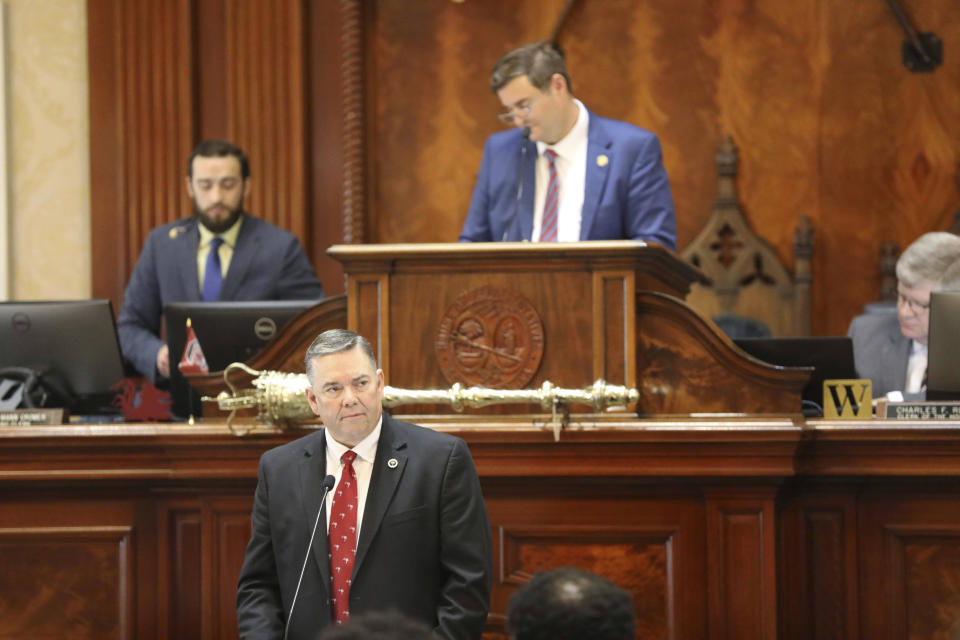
(570, 604)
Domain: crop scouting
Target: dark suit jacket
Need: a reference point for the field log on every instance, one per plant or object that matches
(626, 198)
(424, 546)
(268, 263)
(880, 351)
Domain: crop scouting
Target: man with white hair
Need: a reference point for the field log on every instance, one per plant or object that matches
(891, 350)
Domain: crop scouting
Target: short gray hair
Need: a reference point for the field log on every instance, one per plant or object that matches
(951, 277)
(335, 341)
(925, 262)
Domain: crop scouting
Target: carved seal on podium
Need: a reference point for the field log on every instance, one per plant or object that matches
(490, 337)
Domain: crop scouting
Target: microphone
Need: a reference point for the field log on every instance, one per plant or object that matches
(516, 206)
(328, 483)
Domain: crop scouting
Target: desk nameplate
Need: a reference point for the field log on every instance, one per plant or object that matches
(920, 410)
(28, 417)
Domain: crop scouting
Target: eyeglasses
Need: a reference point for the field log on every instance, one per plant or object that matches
(915, 305)
(520, 110)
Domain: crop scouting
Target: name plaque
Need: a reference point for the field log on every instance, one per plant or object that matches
(921, 411)
(27, 417)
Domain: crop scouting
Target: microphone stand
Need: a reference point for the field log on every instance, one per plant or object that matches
(328, 483)
(516, 206)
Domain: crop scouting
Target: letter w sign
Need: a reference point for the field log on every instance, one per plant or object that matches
(847, 398)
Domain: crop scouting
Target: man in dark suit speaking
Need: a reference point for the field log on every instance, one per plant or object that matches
(564, 173)
(405, 526)
(221, 253)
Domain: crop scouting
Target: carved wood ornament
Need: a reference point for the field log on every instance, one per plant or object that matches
(490, 337)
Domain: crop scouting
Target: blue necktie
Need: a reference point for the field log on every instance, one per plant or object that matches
(212, 277)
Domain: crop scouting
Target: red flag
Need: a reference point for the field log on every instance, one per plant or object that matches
(193, 360)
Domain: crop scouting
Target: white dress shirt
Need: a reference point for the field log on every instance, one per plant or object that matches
(916, 367)
(366, 451)
(571, 163)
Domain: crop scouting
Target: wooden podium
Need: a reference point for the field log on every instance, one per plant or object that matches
(515, 315)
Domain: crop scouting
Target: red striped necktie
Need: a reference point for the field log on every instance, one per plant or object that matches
(548, 224)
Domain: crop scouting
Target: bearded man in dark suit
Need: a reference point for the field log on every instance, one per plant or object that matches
(254, 259)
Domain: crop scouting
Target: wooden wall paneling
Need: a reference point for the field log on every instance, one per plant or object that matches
(70, 580)
(648, 63)
(179, 560)
(265, 105)
(368, 313)
(614, 327)
(141, 126)
(678, 511)
(817, 541)
(741, 580)
(69, 569)
(888, 144)
(328, 81)
(210, 64)
(770, 106)
(648, 541)
(431, 107)
(637, 558)
(226, 527)
(910, 560)
(355, 63)
(146, 574)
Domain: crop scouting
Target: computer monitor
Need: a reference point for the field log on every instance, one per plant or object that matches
(943, 353)
(830, 356)
(76, 339)
(227, 332)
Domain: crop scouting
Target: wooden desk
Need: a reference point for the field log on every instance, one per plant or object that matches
(723, 528)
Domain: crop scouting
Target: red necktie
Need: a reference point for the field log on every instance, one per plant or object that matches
(342, 538)
(548, 225)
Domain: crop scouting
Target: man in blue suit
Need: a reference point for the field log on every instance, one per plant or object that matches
(563, 173)
(252, 259)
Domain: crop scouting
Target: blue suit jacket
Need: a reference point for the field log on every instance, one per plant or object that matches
(424, 546)
(268, 263)
(880, 351)
(626, 198)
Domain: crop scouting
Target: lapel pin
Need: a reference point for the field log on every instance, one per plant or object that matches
(602, 160)
(174, 232)
(392, 463)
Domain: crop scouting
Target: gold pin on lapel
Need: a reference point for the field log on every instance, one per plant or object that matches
(174, 232)
(602, 160)
(392, 463)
